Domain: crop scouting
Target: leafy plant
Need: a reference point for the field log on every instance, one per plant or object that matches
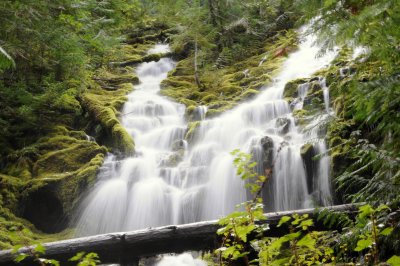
(83, 259)
(371, 229)
(306, 248)
(38, 252)
(239, 225)
(35, 255)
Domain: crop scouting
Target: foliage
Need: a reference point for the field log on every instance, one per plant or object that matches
(306, 248)
(239, 225)
(6, 60)
(382, 185)
(370, 98)
(244, 241)
(68, 40)
(89, 259)
(37, 253)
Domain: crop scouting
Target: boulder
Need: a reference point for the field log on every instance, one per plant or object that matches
(283, 125)
(307, 153)
(267, 145)
(179, 145)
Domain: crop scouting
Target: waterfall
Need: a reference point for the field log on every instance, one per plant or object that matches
(170, 181)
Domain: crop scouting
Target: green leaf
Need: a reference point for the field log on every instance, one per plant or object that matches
(20, 257)
(40, 249)
(16, 248)
(329, 3)
(284, 220)
(243, 231)
(387, 231)
(306, 223)
(382, 207)
(78, 256)
(394, 260)
(365, 211)
(307, 241)
(363, 244)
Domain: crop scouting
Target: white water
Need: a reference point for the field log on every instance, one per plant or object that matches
(151, 189)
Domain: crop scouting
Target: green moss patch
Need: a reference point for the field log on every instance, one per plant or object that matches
(103, 106)
(223, 87)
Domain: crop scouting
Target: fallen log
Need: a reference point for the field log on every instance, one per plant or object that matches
(127, 247)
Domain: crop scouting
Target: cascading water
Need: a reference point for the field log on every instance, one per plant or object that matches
(170, 181)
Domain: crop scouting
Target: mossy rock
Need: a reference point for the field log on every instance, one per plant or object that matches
(307, 153)
(114, 78)
(68, 101)
(290, 90)
(103, 105)
(191, 130)
(64, 165)
(249, 94)
(209, 98)
(224, 86)
(137, 60)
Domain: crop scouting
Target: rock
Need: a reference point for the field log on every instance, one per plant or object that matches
(290, 89)
(179, 145)
(267, 145)
(173, 159)
(199, 113)
(191, 130)
(284, 21)
(307, 153)
(283, 124)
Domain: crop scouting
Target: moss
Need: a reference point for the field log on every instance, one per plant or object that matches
(68, 101)
(249, 94)
(191, 130)
(290, 90)
(137, 60)
(221, 88)
(16, 231)
(306, 149)
(124, 141)
(209, 98)
(65, 163)
(117, 78)
(103, 105)
(174, 159)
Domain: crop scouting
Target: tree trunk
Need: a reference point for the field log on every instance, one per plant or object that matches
(196, 70)
(127, 247)
(213, 13)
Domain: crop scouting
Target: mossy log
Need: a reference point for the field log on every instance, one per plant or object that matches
(146, 58)
(126, 247)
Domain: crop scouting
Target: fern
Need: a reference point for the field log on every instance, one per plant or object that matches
(6, 61)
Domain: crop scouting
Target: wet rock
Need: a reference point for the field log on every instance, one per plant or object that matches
(199, 113)
(283, 125)
(315, 95)
(179, 145)
(284, 21)
(290, 90)
(307, 153)
(267, 145)
(173, 159)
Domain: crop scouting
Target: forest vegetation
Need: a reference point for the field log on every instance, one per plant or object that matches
(66, 67)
